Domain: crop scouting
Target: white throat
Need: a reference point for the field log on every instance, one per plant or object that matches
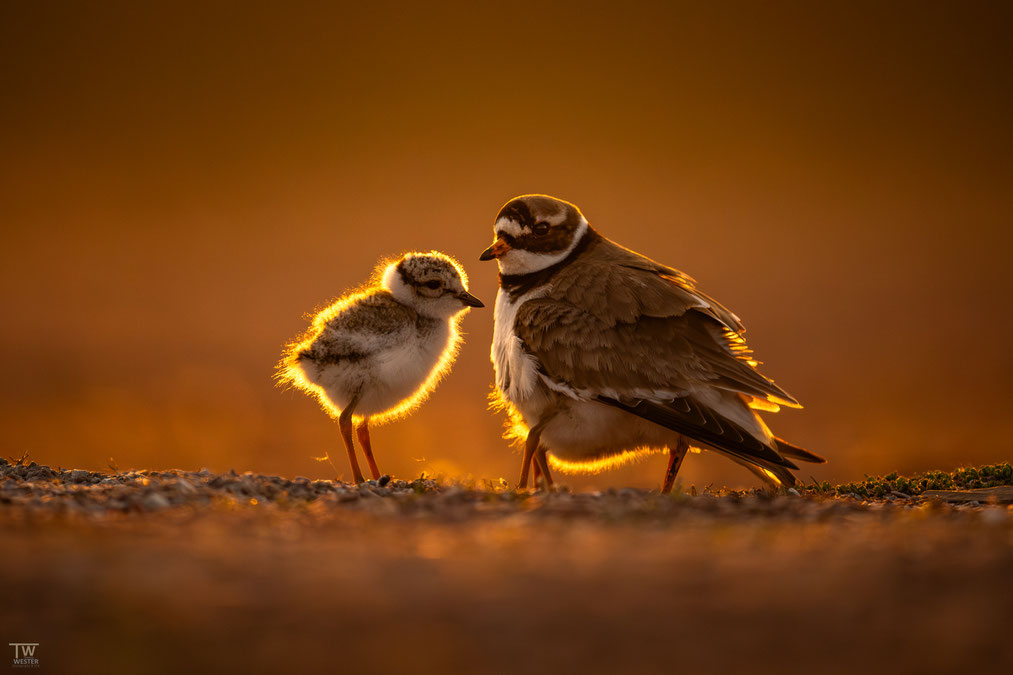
(516, 261)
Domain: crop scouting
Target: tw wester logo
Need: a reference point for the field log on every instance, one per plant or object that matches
(24, 654)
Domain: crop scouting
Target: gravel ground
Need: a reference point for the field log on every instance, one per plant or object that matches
(171, 571)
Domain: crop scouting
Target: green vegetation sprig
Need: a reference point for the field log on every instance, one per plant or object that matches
(877, 487)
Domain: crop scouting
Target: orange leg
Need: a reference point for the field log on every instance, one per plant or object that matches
(530, 445)
(345, 424)
(542, 469)
(362, 431)
(522, 484)
(675, 457)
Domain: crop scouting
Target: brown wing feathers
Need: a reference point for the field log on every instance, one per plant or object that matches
(669, 354)
(638, 336)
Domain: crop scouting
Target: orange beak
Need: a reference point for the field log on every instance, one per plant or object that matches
(498, 249)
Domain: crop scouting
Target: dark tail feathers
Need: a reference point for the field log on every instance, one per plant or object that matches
(789, 450)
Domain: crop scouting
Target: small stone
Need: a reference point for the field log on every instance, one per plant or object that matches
(793, 492)
(185, 487)
(154, 501)
(322, 486)
(79, 475)
(383, 480)
(37, 473)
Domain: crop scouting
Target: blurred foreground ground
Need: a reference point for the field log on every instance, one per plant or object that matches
(157, 572)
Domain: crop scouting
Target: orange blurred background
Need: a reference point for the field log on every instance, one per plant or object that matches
(182, 182)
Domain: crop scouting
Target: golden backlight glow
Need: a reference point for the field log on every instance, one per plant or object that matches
(290, 374)
(737, 345)
(601, 464)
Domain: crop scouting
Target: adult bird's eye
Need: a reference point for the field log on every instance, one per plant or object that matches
(540, 228)
(434, 284)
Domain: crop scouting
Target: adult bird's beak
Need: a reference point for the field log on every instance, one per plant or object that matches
(469, 299)
(498, 248)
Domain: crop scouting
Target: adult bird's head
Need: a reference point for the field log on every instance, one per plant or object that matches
(432, 283)
(534, 232)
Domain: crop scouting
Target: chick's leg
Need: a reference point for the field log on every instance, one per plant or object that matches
(362, 431)
(345, 424)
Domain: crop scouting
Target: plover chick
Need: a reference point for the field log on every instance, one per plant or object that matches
(376, 354)
(602, 353)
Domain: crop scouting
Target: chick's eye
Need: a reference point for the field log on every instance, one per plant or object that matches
(434, 284)
(540, 228)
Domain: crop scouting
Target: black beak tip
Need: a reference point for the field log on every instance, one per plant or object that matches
(470, 300)
(486, 255)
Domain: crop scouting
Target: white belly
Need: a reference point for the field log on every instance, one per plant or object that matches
(516, 370)
(393, 378)
(397, 374)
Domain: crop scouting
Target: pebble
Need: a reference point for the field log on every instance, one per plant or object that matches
(154, 502)
(185, 487)
(37, 473)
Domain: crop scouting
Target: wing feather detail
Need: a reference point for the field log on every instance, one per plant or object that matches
(656, 357)
(619, 324)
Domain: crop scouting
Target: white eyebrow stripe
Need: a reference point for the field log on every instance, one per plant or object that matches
(509, 227)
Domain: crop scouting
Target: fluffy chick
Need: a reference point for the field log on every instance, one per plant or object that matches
(376, 354)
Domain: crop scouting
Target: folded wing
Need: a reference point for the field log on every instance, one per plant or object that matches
(640, 337)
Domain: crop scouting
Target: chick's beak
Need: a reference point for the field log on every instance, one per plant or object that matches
(498, 248)
(469, 299)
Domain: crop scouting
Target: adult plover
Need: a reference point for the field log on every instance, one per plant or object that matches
(377, 353)
(602, 354)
